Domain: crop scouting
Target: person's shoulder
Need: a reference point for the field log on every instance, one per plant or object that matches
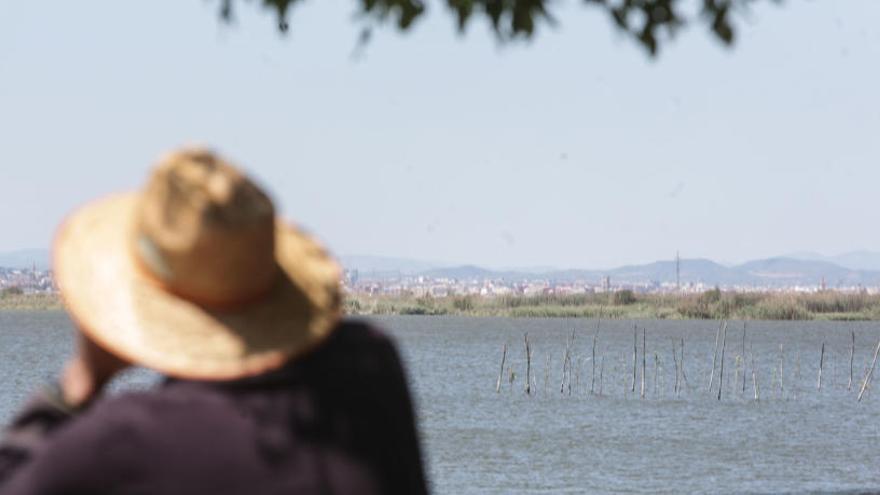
(110, 431)
(353, 333)
(150, 410)
(357, 344)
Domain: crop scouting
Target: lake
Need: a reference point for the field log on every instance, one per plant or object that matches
(560, 438)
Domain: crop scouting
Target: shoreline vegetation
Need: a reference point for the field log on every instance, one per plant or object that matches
(710, 305)
(15, 300)
(624, 304)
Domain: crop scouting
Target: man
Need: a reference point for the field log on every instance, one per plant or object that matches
(267, 390)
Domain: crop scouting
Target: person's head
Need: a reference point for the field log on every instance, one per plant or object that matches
(194, 275)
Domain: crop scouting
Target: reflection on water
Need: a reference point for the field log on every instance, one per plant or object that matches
(795, 438)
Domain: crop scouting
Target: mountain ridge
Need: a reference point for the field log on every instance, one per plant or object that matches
(769, 272)
(779, 271)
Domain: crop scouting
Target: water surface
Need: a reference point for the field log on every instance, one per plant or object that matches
(794, 439)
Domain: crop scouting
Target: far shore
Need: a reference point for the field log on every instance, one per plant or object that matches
(711, 305)
(30, 302)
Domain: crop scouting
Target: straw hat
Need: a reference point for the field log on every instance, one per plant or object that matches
(194, 276)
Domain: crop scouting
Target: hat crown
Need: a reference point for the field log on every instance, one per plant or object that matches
(205, 231)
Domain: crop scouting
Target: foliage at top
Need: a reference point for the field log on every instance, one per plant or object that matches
(649, 22)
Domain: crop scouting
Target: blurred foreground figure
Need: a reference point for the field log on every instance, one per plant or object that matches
(267, 390)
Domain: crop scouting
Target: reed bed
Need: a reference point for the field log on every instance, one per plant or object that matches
(10, 301)
(713, 304)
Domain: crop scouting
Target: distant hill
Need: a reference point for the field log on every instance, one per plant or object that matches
(855, 260)
(475, 272)
(788, 271)
(387, 265)
(772, 272)
(692, 270)
(851, 269)
(25, 258)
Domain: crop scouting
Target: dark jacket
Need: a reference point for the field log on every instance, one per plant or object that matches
(339, 420)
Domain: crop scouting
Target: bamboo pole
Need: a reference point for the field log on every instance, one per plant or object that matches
(721, 370)
(870, 372)
(601, 374)
(715, 355)
(821, 365)
(501, 372)
(852, 353)
(528, 364)
(644, 338)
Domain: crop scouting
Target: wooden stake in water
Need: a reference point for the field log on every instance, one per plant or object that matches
(737, 362)
(677, 372)
(635, 351)
(721, 371)
(570, 347)
(593, 375)
(528, 364)
(601, 373)
(715, 355)
(781, 370)
(656, 375)
(501, 372)
(644, 338)
(870, 372)
(821, 365)
(684, 375)
(564, 369)
(755, 378)
(547, 373)
(743, 391)
(852, 353)
(566, 365)
(754, 371)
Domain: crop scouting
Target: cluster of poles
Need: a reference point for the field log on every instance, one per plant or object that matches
(571, 367)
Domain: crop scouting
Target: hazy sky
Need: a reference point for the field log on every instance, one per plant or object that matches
(574, 150)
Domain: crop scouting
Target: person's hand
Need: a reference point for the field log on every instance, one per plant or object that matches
(86, 373)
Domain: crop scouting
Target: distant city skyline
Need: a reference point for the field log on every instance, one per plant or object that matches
(375, 276)
(862, 260)
(574, 150)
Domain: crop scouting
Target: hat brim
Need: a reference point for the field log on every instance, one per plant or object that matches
(123, 309)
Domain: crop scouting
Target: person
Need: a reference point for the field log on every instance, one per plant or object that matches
(267, 390)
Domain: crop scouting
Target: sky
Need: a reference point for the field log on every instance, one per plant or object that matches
(572, 150)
